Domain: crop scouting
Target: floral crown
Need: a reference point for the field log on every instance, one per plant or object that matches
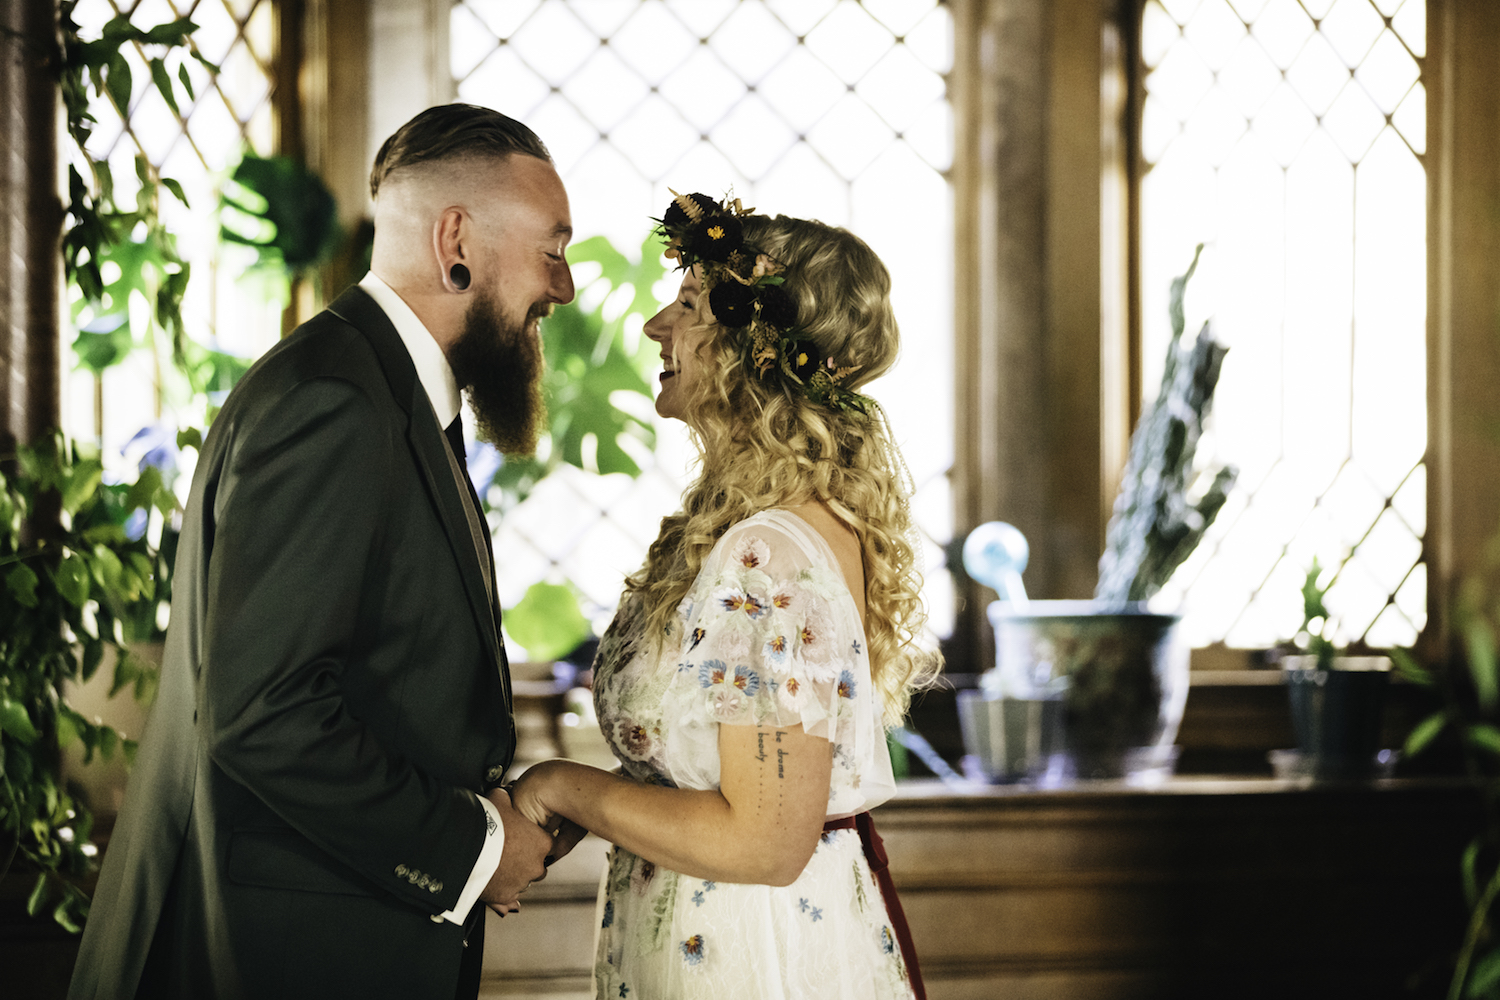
(745, 291)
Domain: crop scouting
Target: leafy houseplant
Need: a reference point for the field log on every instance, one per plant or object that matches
(76, 581)
(1336, 699)
(598, 404)
(1470, 717)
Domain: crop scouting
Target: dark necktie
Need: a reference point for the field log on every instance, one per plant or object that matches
(455, 436)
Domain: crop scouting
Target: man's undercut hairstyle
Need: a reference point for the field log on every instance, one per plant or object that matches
(453, 131)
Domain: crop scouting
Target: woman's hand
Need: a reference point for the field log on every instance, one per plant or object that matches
(530, 793)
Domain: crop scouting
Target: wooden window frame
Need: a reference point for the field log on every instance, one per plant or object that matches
(1047, 312)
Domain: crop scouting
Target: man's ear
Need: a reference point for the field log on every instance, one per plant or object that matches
(449, 239)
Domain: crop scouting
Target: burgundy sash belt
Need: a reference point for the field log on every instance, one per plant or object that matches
(880, 867)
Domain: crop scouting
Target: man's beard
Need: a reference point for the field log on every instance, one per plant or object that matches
(499, 365)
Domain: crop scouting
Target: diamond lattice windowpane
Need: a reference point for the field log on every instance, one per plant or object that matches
(813, 147)
(1411, 599)
(802, 183)
(1351, 28)
(1158, 33)
(654, 137)
(900, 89)
(1317, 9)
(1217, 125)
(471, 42)
(568, 134)
(850, 136)
(1318, 75)
(217, 31)
(1248, 10)
(1285, 123)
(503, 17)
(503, 73)
(931, 41)
(753, 137)
(900, 15)
(1215, 31)
(703, 89)
(653, 42)
(1410, 501)
(1410, 119)
(554, 43)
(1410, 23)
(931, 137)
(1181, 10)
(1249, 77)
(1388, 72)
(801, 15)
(752, 41)
(605, 90)
(802, 89)
(1390, 550)
(849, 41)
(1180, 81)
(1283, 28)
(1354, 122)
(603, 17)
(702, 16)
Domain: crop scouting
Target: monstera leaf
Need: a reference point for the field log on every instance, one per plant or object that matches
(589, 360)
(282, 209)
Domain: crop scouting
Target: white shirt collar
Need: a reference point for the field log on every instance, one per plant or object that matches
(431, 364)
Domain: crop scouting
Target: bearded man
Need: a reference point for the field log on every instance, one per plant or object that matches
(315, 810)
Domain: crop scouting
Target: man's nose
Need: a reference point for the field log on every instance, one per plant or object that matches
(562, 284)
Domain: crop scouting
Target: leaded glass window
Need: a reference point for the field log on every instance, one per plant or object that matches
(1289, 138)
(832, 109)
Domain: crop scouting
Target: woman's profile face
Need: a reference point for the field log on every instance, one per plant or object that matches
(680, 328)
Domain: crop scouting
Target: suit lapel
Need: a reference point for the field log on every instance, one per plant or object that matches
(430, 451)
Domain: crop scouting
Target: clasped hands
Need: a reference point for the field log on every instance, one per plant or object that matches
(532, 843)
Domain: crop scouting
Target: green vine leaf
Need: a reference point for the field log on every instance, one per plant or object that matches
(15, 721)
(1425, 732)
(72, 578)
(21, 582)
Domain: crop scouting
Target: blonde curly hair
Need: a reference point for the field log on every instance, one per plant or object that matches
(763, 444)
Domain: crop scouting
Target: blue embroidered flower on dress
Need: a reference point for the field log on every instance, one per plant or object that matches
(698, 898)
(816, 914)
(746, 680)
(711, 672)
(802, 904)
(698, 634)
(710, 885)
(733, 599)
(692, 949)
(777, 652)
(846, 684)
(857, 647)
(609, 913)
(624, 990)
(887, 940)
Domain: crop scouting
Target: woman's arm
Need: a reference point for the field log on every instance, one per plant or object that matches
(760, 827)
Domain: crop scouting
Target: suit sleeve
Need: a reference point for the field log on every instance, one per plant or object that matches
(298, 515)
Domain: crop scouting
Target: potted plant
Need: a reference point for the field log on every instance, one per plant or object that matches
(1336, 698)
(80, 577)
(1101, 685)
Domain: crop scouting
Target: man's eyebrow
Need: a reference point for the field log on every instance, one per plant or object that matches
(562, 229)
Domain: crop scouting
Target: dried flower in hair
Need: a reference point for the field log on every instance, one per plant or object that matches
(715, 238)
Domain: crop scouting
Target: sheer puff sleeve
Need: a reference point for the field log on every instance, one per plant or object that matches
(772, 637)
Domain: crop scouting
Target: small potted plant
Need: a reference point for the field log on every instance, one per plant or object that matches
(1102, 684)
(1336, 697)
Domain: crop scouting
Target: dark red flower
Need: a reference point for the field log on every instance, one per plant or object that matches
(777, 307)
(733, 304)
(804, 358)
(715, 238)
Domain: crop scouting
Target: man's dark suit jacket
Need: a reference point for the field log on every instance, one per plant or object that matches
(333, 696)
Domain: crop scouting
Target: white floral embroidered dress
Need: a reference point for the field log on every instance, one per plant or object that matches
(768, 635)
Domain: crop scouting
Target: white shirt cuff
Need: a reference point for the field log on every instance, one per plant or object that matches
(484, 868)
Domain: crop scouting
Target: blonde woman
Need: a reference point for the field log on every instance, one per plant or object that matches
(757, 657)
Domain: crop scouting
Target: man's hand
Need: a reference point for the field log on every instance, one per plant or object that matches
(524, 859)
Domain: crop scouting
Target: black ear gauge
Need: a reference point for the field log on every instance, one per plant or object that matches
(459, 275)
